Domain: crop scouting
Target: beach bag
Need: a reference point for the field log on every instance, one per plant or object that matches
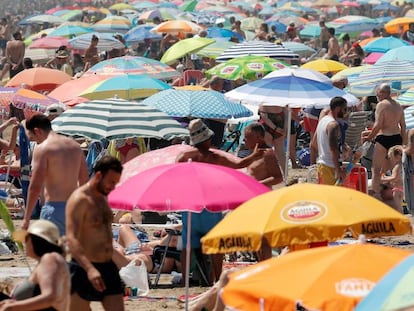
(136, 276)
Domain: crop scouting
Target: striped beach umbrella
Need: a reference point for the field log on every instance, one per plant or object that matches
(409, 117)
(407, 98)
(133, 65)
(113, 23)
(183, 103)
(69, 31)
(117, 119)
(257, 48)
(106, 42)
(215, 49)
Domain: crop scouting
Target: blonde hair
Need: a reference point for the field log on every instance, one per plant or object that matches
(395, 151)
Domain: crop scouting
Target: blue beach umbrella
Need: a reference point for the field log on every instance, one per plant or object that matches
(403, 53)
(198, 104)
(407, 98)
(280, 27)
(140, 33)
(106, 41)
(217, 32)
(69, 31)
(383, 45)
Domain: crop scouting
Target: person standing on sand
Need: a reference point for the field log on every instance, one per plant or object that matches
(95, 276)
(408, 171)
(59, 167)
(15, 54)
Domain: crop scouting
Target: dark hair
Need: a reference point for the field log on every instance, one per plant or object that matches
(94, 38)
(337, 101)
(107, 163)
(27, 62)
(332, 31)
(41, 246)
(17, 35)
(40, 121)
(346, 37)
(256, 127)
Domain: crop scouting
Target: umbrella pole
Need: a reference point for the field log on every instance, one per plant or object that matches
(187, 261)
(287, 145)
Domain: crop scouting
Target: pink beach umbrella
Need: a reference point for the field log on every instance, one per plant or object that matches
(191, 187)
(372, 58)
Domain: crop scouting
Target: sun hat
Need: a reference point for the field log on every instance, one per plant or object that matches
(44, 229)
(54, 110)
(199, 132)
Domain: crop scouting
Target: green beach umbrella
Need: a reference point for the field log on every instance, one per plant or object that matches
(247, 67)
(184, 47)
(188, 6)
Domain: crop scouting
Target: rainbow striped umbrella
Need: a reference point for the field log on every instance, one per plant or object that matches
(407, 98)
(409, 117)
(112, 23)
(133, 65)
(106, 41)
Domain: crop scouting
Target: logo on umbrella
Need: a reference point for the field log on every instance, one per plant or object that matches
(354, 287)
(304, 212)
(278, 65)
(228, 69)
(255, 66)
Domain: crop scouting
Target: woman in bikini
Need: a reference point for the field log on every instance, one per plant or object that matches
(395, 179)
(128, 148)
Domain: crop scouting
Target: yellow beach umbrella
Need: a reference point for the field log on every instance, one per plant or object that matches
(121, 6)
(303, 214)
(349, 72)
(398, 25)
(325, 66)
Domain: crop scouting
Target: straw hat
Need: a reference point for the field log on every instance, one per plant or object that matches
(199, 132)
(44, 229)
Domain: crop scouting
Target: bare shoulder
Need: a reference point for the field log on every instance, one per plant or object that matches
(79, 198)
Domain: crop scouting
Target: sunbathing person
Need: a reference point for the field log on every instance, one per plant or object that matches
(128, 247)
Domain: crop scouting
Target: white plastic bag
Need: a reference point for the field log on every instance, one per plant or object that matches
(136, 276)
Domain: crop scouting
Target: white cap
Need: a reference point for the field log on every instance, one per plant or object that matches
(54, 110)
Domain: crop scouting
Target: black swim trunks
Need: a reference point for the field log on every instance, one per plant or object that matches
(85, 290)
(389, 141)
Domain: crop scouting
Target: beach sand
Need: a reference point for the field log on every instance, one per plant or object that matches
(163, 298)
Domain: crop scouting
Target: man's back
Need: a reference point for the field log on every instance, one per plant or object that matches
(63, 160)
(14, 48)
(389, 113)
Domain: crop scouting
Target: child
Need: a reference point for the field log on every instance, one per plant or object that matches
(396, 181)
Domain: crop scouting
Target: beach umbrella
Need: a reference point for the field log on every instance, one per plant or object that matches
(310, 31)
(299, 48)
(388, 72)
(280, 27)
(350, 73)
(188, 6)
(383, 45)
(41, 19)
(184, 47)
(39, 79)
(372, 58)
(393, 291)
(162, 156)
(30, 101)
(39, 55)
(257, 48)
(215, 49)
(353, 24)
(331, 278)
(321, 213)
(402, 53)
(116, 119)
(217, 32)
(141, 33)
(133, 65)
(106, 41)
(145, 5)
(176, 26)
(125, 86)
(251, 23)
(71, 89)
(192, 104)
(325, 66)
(112, 24)
(201, 186)
(121, 6)
(69, 31)
(49, 42)
(409, 114)
(299, 72)
(71, 15)
(326, 3)
(246, 67)
(399, 24)
(161, 13)
(407, 99)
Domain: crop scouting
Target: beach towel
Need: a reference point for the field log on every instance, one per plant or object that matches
(408, 176)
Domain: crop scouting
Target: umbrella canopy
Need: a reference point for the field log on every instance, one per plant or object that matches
(388, 72)
(49, 42)
(161, 13)
(383, 45)
(393, 291)
(41, 19)
(197, 104)
(106, 41)
(299, 72)
(39, 79)
(396, 25)
(325, 66)
(246, 67)
(321, 213)
(140, 33)
(125, 87)
(133, 65)
(409, 117)
(71, 89)
(292, 91)
(176, 26)
(200, 186)
(183, 47)
(407, 99)
(158, 157)
(324, 282)
(251, 23)
(301, 49)
(39, 55)
(215, 49)
(112, 23)
(350, 73)
(32, 101)
(116, 119)
(217, 32)
(402, 53)
(69, 31)
(257, 48)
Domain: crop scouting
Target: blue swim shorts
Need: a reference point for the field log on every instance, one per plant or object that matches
(55, 212)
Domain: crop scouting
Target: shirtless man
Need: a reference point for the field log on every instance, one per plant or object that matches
(15, 54)
(59, 167)
(266, 169)
(388, 131)
(4, 35)
(333, 46)
(95, 276)
(91, 53)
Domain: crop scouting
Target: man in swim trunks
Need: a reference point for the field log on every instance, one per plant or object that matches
(388, 131)
(95, 276)
(15, 50)
(58, 168)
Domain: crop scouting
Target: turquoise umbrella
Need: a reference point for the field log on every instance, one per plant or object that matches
(310, 31)
(383, 45)
(403, 53)
(69, 31)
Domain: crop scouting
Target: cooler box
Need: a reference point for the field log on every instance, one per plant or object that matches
(357, 179)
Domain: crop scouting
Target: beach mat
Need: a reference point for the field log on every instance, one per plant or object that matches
(14, 272)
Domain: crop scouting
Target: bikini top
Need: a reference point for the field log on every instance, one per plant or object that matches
(27, 290)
